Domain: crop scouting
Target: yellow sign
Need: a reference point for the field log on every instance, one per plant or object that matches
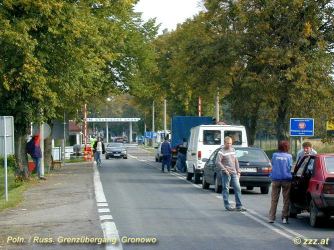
(330, 125)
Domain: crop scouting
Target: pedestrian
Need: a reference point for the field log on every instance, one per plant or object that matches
(181, 156)
(281, 179)
(228, 165)
(33, 148)
(307, 150)
(98, 149)
(166, 151)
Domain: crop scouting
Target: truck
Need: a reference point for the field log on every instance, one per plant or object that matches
(181, 126)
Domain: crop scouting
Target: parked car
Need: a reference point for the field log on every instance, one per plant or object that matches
(204, 140)
(255, 169)
(116, 150)
(312, 188)
(158, 155)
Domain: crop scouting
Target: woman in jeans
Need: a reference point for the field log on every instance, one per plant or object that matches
(281, 179)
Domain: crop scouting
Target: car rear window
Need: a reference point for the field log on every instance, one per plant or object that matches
(251, 155)
(329, 163)
(212, 137)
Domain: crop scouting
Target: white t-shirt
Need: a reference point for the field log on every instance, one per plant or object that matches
(99, 146)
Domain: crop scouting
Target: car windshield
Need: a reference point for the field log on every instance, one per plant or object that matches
(115, 145)
(329, 163)
(251, 155)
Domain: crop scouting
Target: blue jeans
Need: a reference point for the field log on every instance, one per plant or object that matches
(181, 162)
(37, 162)
(166, 159)
(98, 158)
(234, 180)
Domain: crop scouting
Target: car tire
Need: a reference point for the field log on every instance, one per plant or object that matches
(125, 157)
(250, 188)
(218, 188)
(205, 185)
(264, 190)
(292, 211)
(107, 157)
(189, 176)
(197, 178)
(314, 218)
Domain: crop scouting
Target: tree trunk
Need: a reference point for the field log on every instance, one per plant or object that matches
(281, 127)
(20, 152)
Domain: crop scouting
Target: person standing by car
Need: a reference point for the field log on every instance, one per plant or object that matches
(228, 164)
(281, 179)
(98, 149)
(307, 150)
(166, 151)
(181, 156)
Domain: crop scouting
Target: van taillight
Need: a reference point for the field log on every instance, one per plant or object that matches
(328, 189)
(199, 155)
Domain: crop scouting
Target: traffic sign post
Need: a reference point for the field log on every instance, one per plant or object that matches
(301, 127)
(7, 132)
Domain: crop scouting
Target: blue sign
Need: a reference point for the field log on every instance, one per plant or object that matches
(150, 135)
(301, 127)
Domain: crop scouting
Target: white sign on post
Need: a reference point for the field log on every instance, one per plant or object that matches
(6, 143)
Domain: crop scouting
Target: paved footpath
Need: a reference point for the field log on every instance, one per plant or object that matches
(62, 206)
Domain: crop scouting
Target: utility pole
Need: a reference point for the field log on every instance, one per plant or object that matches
(153, 110)
(217, 107)
(41, 144)
(199, 106)
(165, 117)
(64, 140)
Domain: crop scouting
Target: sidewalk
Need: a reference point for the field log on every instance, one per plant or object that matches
(62, 206)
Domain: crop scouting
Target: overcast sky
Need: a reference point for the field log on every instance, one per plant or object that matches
(168, 12)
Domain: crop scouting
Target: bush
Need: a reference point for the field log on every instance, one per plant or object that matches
(11, 162)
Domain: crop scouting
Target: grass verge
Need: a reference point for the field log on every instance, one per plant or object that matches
(15, 196)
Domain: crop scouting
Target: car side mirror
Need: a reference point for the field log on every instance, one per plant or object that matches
(205, 160)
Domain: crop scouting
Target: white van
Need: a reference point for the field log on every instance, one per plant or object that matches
(204, 139)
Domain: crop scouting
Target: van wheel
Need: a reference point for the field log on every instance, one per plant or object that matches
(314, 219)
(189, 176)
(205, 185)
(197, 178)
(264, 190)
(218, 188)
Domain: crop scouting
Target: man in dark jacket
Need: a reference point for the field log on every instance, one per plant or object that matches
(166, 151)
(33, 148)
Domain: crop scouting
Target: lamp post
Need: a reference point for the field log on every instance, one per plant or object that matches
(107, 124)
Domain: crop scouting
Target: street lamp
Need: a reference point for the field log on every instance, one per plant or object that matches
(107, 125)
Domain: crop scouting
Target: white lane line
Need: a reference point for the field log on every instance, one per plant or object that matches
(109, 228)
(104, 210)
(103, 204)
(106, 217)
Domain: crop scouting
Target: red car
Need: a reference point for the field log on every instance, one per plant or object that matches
(312, 188)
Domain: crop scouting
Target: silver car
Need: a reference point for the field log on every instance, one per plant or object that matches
(116, 150)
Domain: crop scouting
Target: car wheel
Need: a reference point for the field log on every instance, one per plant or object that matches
(205, 185)
(125, 157)
(107, 157)
(218, 188)
(314, 219)
(197, 178)
(292, 211)
(189, 176)
(264, 190)
(250, 188)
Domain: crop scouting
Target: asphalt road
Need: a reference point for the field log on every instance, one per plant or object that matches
(181, 215)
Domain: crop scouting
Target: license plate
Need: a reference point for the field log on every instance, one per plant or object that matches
(249, 170)
(117, 155)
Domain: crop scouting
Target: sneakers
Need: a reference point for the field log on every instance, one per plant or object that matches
(230, 208)
(271, 221)
(285, 221)
(42, 178)
(241, 209)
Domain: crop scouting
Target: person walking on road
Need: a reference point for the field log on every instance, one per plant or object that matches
(228, 164)
(307, 150)
(98, 149)
(166, 151)
(33, 148)
(281, 179)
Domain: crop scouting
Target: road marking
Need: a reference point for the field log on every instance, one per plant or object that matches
(108, 227)
(103, 204)
(104, 210)
(106, 217)
(131, 156)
